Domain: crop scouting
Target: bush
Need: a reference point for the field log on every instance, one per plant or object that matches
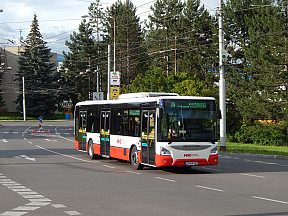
(262, 134)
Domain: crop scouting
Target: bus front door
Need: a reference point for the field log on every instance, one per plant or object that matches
(105, 133)
(148, 137)
(82, 130)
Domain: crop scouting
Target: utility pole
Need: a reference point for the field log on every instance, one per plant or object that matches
(23, 94)
(108, 81)
(222, 97)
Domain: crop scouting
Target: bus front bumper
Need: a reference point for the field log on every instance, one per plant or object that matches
(168, 161)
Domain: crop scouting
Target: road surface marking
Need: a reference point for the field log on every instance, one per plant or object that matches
(164, 179)
(72, 213)
(32, 196)
(58, 206)
(133, 172)
(26, 208)
(38, 203)
(257, 176)
(51, 140)
(272, 200)
(4, 140)
(27, 193)
(13, 213)
(66, 155)
(208, 188)
(109, 166)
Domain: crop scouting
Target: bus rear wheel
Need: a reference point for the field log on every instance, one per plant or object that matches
(134, 159)
(91, 150)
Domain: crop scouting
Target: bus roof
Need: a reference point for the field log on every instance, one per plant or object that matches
(142, 99)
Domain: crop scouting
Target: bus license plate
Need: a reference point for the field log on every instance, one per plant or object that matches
(191, 163)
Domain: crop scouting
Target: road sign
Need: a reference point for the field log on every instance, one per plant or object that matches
(98, 96)
(224, 54)
(114, 93)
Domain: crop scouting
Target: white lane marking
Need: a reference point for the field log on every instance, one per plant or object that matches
(33, 196)
(1, 176)
(164, 179)
(25, 157)
(108, 166)
(40, 200)
(27, 193)
(9, 184)
(14, 187)
(257, 176)
(62, 136)
(263, 162)
(38, 203)
(51, 140)
(6, 132)
(208, 188)
(21, 190)
(4, 140)
(72, 213)
(7, 180)
(133, 172)
(66, 155)
(26, 208)
(13, 213)
(58, 206)
(271, 200)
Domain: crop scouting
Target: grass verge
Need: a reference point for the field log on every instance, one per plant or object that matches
(256, 149)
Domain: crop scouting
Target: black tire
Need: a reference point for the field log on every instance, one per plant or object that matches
(91, 150)
(134, 159)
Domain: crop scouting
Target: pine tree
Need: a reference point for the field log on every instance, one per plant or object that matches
(128, 39)
(81, 62)
(164, 25)
(256, 80)
(40, 78)
(199, 45)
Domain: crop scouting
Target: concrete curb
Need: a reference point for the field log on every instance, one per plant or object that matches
(253, 155)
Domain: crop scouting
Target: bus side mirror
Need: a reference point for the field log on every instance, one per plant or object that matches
(160, 113)
(219, 115)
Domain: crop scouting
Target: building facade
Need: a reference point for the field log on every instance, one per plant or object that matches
(9, 57)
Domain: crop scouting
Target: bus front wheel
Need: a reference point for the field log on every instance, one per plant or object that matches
(134, 159)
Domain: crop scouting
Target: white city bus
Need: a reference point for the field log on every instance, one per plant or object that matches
(149, 129)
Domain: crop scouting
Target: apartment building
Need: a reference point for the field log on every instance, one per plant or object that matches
(9, 57)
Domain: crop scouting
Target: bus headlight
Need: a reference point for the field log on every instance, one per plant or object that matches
(214, 150)
(164, 152)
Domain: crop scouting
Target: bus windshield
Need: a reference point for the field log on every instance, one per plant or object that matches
(188, 120)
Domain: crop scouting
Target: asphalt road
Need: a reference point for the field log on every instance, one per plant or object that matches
(43, 174)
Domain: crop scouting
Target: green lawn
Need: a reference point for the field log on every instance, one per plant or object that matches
(256, 149)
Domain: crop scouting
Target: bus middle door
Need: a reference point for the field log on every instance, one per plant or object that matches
(148, 137)
(82, 130)
(105, 133)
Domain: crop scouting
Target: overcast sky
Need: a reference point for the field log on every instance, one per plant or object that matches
(57, 18)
